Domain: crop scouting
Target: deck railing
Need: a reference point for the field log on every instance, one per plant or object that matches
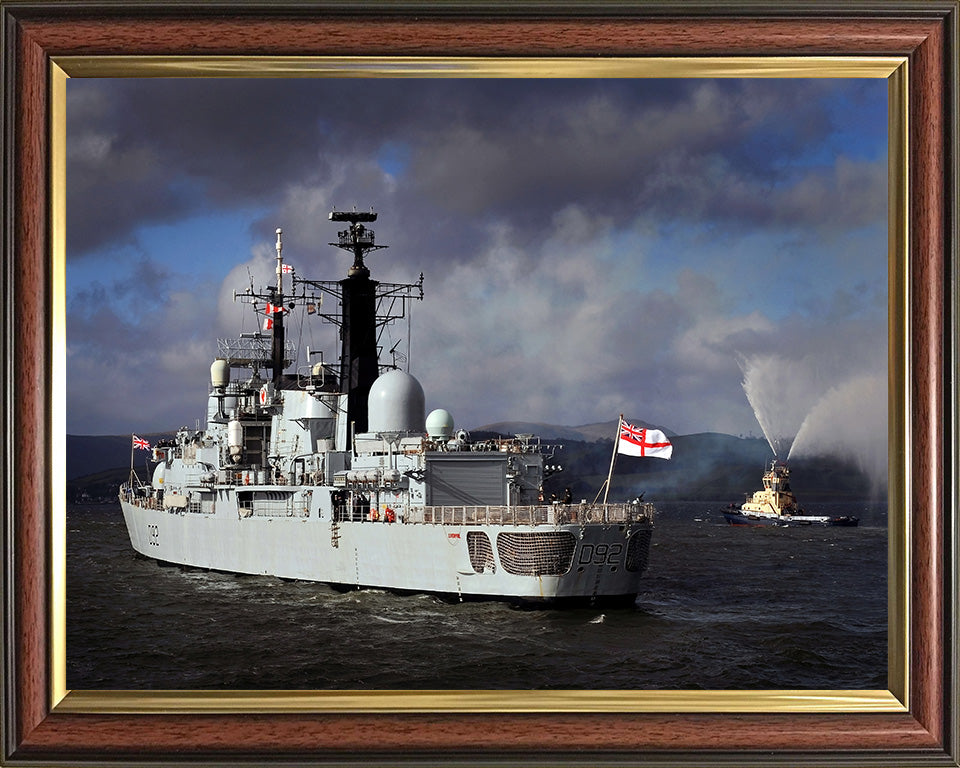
(539, 514)
(146, 502)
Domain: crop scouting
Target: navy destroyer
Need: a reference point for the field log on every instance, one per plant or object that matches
(332, 472)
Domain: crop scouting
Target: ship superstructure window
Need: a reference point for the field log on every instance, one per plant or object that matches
(458, 479)
(536, 554)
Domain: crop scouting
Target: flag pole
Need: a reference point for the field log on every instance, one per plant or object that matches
(613, 458)
(131, 462)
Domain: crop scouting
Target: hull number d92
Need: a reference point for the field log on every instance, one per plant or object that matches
(601, 554)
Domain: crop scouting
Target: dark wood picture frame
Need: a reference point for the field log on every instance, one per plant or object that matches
(926, 33)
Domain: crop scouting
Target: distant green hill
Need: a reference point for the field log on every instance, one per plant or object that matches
(706, 466)
(90, 454)
(585, 432)
(98, 487)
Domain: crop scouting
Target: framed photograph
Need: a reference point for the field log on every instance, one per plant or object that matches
(145, 50)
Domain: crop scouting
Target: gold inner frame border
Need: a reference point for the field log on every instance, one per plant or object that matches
(893, 700)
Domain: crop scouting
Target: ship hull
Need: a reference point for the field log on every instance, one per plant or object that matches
(602, 563)
(745, 519)
(737, 518)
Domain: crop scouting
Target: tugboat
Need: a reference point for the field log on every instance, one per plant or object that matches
(333, 473)
(777, 505)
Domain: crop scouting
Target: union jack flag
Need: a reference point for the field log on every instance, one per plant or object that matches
(639, 441)
(139, 442)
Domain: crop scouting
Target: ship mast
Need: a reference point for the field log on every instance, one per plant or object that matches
(359, 365)
(277, 346)
(366, 308)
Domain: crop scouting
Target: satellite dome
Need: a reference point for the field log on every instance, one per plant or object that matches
(440, 424)
(220, 373)
(395, 404)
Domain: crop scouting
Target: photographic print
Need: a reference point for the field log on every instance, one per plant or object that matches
(167, 245)
(426, 304)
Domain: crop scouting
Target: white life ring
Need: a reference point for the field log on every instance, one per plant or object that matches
(263, 395)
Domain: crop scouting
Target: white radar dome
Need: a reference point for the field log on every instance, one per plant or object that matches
(220, 373)
(440, 424)
(395, 404)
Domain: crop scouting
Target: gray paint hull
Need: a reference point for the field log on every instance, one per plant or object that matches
(414, 557)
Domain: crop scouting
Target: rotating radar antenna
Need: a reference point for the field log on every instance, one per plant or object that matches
(356, 238)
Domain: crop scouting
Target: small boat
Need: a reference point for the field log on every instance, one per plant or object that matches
(776, 505)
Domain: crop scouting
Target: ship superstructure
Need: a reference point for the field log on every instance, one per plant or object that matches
(334, 473)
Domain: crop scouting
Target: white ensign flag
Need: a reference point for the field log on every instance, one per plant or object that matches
(638, 441)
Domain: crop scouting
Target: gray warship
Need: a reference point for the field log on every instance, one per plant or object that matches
(332, 472)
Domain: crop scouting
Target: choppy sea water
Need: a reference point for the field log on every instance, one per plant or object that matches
(721, 607)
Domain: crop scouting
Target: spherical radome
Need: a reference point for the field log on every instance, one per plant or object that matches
(440, 424)
(220, 373)
(396, 404)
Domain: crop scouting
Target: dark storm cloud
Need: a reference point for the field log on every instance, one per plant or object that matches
(150, 151)
(160, 150)
(138, 349)
(721, 153)
(157, 150)
(546, 216)
(120, 320)
(116, 313)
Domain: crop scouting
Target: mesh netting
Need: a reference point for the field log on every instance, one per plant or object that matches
(536, 554)
(638, 550)
(481, 551)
